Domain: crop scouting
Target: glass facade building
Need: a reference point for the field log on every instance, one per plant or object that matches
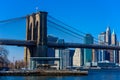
(88, 52)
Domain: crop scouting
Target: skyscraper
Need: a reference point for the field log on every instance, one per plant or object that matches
(77, 57)
(108, 36)
(88, 52)
(113, 54)
(102, 41)
(113, 38)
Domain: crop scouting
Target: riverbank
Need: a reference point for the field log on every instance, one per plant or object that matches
(43, 73)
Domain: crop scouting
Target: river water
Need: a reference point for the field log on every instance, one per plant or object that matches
(93, 75)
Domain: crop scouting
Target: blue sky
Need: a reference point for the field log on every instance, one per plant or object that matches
(89, 16)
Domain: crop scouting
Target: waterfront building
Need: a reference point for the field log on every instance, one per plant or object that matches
(107, 65)
(64, 57)
(88, 39)
(78, 57)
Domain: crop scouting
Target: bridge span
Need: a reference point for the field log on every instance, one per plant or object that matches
(17, 42)
(57, 45)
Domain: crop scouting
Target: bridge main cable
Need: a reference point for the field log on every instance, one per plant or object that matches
(12, 19)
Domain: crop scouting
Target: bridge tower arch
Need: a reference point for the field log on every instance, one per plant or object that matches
(36, 30)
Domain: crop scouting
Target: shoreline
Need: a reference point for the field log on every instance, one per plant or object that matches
(43, 73)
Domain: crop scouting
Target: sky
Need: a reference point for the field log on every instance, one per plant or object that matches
(89, 16)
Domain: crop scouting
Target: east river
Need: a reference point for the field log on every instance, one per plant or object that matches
(93, 75)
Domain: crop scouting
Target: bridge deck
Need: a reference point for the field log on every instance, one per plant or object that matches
(57, 45)
(17, 42)
(79, 45)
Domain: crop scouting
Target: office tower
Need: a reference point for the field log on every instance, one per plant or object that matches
(113, 38)
(94, 55)
(108, 36)
(108, 53)
(113, 54)
(88, 39)
(78, 57)
(64, 56)
(102, 41)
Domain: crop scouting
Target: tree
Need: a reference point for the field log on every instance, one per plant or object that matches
(3, 52)
(4, 55)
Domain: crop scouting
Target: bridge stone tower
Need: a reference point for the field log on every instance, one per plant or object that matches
(36, 30)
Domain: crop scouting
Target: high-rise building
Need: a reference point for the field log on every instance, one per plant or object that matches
(88, 39)
(64, 56)
(113, 38)
(71, 57)
(94, 55)
(108, 36)
(78, 57)
(109, 53)
(113, 54)
(102, 41)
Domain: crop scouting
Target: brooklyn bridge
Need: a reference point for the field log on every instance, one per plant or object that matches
(36, 44)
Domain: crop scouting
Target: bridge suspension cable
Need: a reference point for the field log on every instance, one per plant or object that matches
(66, 32)
(64, 27)
(95, 39)
(12, 19)
(66, 24)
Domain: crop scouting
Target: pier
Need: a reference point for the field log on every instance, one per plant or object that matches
(44, 73)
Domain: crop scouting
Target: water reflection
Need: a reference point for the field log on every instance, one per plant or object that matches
(11, 78)
(35, 78)
(99, 75)
(43, 78)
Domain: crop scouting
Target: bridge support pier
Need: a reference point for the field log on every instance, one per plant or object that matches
(36, 29)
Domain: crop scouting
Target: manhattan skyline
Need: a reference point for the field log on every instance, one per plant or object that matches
(88, 16)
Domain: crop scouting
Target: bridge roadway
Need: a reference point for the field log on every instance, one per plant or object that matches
(79, 45)
(57, 45)
(17, 42)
